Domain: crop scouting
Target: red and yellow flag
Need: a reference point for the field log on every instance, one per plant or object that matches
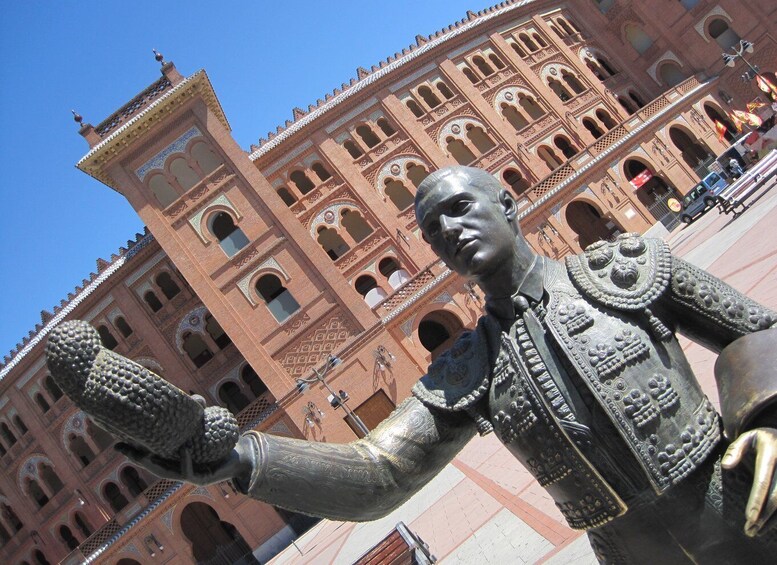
(755, 105)
(767, 86)
(721, 129)
(748, 118)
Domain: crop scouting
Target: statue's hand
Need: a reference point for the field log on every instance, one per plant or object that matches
(237, 465)
(763, 495)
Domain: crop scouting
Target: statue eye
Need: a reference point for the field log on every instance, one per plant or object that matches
(432, 229)
(459, 207)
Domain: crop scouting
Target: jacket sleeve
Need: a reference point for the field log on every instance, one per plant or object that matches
(365, 479)
(710, 312)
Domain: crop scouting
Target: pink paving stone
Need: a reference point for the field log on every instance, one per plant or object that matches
(479, 450)
(504, 470)
(537, 496)
(455, 517)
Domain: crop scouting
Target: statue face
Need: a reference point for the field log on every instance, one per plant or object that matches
(468, 227)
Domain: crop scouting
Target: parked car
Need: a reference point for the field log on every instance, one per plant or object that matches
(702, 197)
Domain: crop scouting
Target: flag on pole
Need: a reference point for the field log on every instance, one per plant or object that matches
(737, 122)
(767, 86)
(755, 105)
(720, 129)
(748, 118)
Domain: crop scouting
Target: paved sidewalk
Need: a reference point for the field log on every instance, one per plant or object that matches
(485, 508)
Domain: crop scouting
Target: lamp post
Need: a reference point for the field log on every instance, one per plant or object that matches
(336, 399)
(739, 52)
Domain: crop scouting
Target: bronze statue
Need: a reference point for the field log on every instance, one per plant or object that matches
(577, 370)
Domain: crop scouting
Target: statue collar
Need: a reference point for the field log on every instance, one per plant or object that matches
(531, 289)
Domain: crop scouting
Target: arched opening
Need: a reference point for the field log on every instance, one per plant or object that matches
(169, 287)
(183, 173)
(387, 266)
(670, 74)
(636, 99)
(538, 39)
(321, 172)
(595, 69)
(518, 49)
(515, 181)
(205, 157)
(355, 225)
(153, 302)
(196, 349)
(444, 90)
(555, 30)
(210, 537)
(78, 447)
(50, 479)
(127, 561)
(102, 439)
(562, 22)
(124, 328)
(231, 238)
(563, 94)
(252, 381)
(694, 153)
(516, 119)
(482, 66)
(364, 284)
(638, 39)
(114, 497)
(496, 61)
(162, 190)
(413, 106)
(606, 119)
(549, 157)
(438, 330)
(17, 421)
(591, 126)
(11, 517)
(280, 302)
(399, 195)
(232, 397)
(564, 146)
(332, 242)
(653, 193)
(36, 493)
(479, 139)
(605, 64)
(530, 106)
(459, 151)
(286, 196)
(429, 97)
(416, 174)
(216, 332)
(109, 342)
(715, 115)
(68, 538)
(720, 31)
(132, 480)
(82, 525)
(40, 559)
(573, 82)
(385, 127)
(7, 434)
(42, 403)
(530, 45)
(626, 104)
(301, 181)
(353, 149)
(368, 136)
(470, 74)
(587, 222)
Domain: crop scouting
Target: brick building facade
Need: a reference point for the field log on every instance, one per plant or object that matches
(260, 267)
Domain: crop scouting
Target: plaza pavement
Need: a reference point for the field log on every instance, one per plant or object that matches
(484, 508)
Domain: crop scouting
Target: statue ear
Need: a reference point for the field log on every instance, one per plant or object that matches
(508, 204)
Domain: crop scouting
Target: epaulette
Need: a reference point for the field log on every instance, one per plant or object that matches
(629, 274)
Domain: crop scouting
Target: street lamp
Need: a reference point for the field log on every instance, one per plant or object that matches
(340, 397)
(739, 52)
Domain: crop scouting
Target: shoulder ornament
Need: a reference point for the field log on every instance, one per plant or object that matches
(628, 274)
(461, 376)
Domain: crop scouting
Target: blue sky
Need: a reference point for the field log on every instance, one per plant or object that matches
(263, 58)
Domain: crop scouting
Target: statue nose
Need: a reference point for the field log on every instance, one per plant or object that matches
(449, 228)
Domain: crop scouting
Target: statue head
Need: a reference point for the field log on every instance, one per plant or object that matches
(470, 221)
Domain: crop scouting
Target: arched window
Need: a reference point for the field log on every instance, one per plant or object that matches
(355, 225)
(7, 434)
(364, 284)
(353, 149)
(438, 330)
(549, 156)
(444, 90)
(515, 180)
(516, 119)
(42, 404)
(413, 106)
(100, 437)
(321, 172)
(115, 498)
(496, 61)
(479, 139)
(459, 151)
(334, 245)
(606, 66)
(388, 266)
(216, 332)
(51, 386)
(530, 45)
(482, 66)
(591, 126)
(133, 481)
(556, 31)
(565, 146)
(562, 22)
(559, 90)
(671, 74)
(19, 423)
(5, 537)
(82, 525)
(109, 342)
(518, 49)
(3, 451)
(67, 536)
(280, 301)
(252, 380)
(124, 328)
(368, 136)
(429, 97)
(720, 31)
(301, 181)
(196, 349)
(37, 494)
(576, 86)
(233, 398)
(80, 449)
(595, 69)
(162, 190)
(40, 559)
(530, 106)
(153, 302)
(473, 78)
(538, 39)
(636, 99)
(398, 194)
(169, 287)
(205, 157)
(50, 479)
(183, 173)
(606, 119)
(286, 196)
(638, 39)
(626, 104)
(385, 127)
(416, 174)
(11, 517)
(231, 238)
